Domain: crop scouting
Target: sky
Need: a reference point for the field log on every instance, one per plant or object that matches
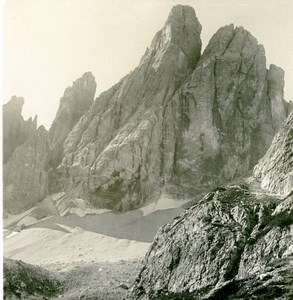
(47, 44)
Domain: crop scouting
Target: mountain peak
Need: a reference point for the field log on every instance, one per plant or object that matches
(178, 40)
(14, 105)
(182, 14)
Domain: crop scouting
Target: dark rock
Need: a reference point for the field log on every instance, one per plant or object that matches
(25, 281)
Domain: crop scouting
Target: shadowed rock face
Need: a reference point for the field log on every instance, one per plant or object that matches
(232, 234)
(275, 169)
(15, 129)
(25, 179)
(25, 157)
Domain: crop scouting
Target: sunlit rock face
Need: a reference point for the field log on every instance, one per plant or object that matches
(275, 169)
(76, 100)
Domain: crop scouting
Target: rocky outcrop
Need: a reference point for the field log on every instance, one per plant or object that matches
(15, 129)
(25, 179)
(178, 123)
(25, 281)
(75, 102)
(232, 234)
(275, 169)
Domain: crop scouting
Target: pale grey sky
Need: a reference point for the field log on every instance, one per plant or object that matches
(47, 44)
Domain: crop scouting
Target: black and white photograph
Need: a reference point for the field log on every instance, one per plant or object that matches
(147, 149)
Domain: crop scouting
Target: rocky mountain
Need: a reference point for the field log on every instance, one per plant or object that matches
(76, 100)
(25, 179)
(29, 153)
(236, 243)
(114, 155)
(15, 129)
(25, 156)
(179, 123)
(275, 169)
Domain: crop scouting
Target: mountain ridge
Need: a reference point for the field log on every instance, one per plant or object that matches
(179, 123)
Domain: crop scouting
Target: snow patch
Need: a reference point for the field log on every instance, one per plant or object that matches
(163, 203)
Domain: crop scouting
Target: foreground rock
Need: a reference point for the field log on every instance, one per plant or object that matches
(232, 234)
(24, 281)
(236, 243)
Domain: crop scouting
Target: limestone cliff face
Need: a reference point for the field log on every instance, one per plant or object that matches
(15, 129)
(75, 102)
(179, 122)
(275, 169)
(25, 158)
(230, 110)
(114, 155)
(232, 235)
(25, 179)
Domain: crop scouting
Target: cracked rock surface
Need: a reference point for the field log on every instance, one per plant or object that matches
(232, 234)
(235, 243)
